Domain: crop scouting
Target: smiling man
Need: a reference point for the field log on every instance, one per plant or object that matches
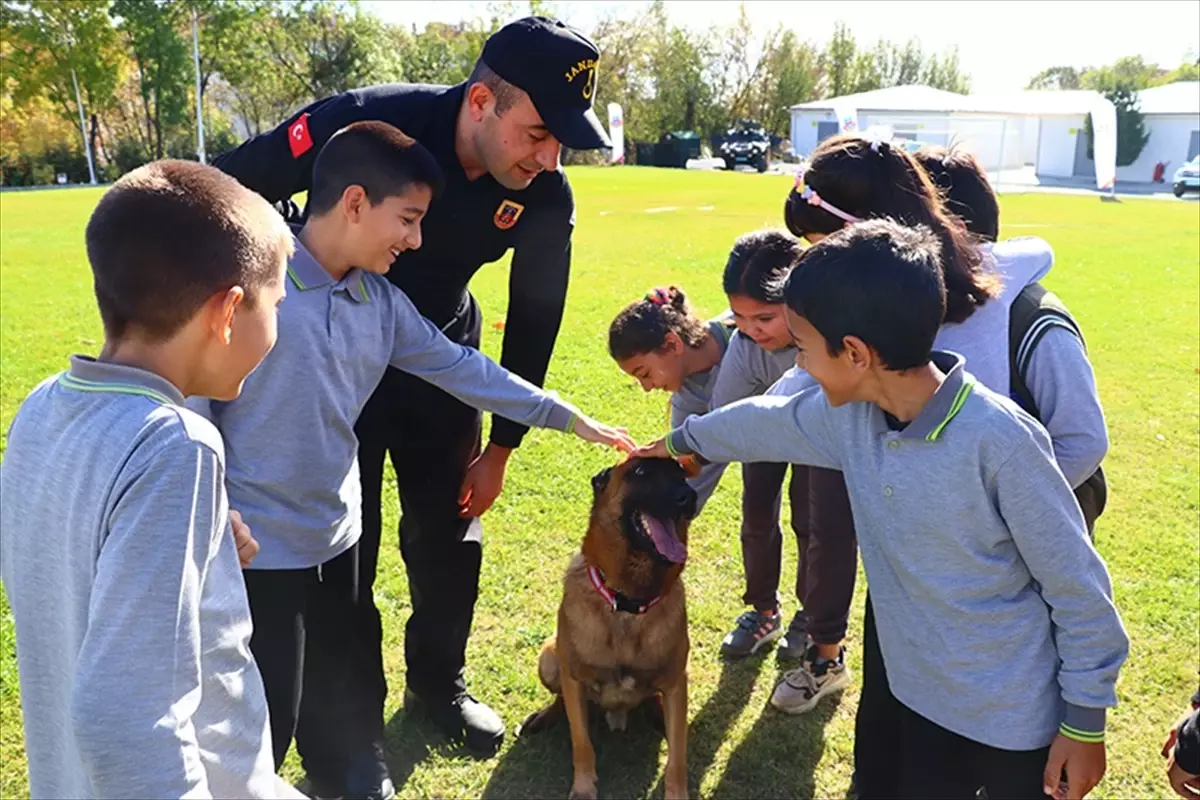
(498, 137)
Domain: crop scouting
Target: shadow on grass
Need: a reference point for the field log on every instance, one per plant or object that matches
(538, 765)
(410, 738)
(778, 757)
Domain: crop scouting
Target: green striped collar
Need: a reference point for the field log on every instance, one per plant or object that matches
(946, 402)
(306, 273)
(89, 375)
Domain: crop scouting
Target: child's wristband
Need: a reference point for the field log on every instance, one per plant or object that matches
(1090, 737)
(671, 451)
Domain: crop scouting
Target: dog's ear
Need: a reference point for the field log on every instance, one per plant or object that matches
(601, 479)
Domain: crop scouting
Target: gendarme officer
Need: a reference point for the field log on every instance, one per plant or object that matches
(498, 136)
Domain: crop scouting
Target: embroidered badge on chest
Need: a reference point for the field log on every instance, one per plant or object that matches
(507, 214)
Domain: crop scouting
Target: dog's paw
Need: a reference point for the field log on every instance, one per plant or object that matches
(583, 792)
(617, 720)
(677, 792)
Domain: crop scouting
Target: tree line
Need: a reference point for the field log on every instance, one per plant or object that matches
(126, 68)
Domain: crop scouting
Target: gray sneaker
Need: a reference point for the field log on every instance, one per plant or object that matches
(754, 631)
(795, 639)
(802, 688)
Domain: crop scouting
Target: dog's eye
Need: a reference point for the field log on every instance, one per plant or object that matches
(601, 480)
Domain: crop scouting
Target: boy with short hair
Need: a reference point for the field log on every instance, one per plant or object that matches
(124, 582)
(997, 646)
(293, 468)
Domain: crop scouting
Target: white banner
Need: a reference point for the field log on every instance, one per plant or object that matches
(616, 132)
(1104, 142)
(847, 116)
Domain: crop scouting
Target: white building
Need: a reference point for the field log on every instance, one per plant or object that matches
(1042, 129)
(1172, 115)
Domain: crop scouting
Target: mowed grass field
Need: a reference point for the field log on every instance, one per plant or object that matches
(1129, 272)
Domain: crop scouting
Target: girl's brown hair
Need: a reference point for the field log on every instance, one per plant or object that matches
(642, 327)
(869, 179)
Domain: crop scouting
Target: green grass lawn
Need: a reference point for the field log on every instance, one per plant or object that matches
(1128, 271)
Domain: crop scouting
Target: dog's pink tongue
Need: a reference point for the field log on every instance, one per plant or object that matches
(666, 541)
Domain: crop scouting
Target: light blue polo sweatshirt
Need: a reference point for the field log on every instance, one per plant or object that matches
(995, 612)
(133, 630)
(292, 456)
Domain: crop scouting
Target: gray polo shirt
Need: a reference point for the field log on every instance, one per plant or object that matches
(133, 629)
(292, 454)
(995, 612)
(748, 370)
(695, 397)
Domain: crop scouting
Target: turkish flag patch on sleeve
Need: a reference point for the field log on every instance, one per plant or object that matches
(299, 139)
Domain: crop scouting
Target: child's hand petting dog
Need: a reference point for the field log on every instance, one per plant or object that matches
(595, 432)
(656, 449)
(247, 547)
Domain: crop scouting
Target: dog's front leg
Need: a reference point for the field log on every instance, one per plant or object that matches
(582, 755)
(675, 711)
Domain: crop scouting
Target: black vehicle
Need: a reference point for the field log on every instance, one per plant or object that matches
(746, 143)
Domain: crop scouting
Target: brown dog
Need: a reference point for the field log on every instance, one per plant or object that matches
(622, 626)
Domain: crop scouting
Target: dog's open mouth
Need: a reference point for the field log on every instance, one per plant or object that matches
(662, 533)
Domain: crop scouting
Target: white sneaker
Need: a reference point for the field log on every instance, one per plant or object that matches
(802, 688)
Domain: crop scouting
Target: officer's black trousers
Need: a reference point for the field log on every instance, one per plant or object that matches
(431, 438)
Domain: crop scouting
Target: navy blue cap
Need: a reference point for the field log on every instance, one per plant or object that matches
(556, 66)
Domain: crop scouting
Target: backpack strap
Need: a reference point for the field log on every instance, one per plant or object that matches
(1035, 312)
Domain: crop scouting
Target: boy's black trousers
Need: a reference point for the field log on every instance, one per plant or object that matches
(302, 642)
(900, 754)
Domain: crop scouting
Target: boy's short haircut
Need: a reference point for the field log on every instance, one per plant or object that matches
(168, 236)
(381, 158)
(963, 182)
(878, 280)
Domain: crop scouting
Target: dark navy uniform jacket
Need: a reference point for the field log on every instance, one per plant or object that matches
(471, 224)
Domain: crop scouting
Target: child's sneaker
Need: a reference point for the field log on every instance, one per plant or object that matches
(755, 630)
(795, 640)
(802, 688)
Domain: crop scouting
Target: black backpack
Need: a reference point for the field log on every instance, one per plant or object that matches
(1036, 311)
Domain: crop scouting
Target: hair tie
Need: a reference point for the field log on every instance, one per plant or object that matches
(809, 194)
(658, 296)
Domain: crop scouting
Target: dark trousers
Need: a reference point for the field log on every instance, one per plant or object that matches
(824, 529)
(301, 640)
(900, 754)
(431, 438)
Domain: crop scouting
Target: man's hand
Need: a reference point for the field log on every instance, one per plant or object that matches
(247, 547)
(1084, 763)
(595, 432)
(483, 482)
(1185, 784)
(1173, 736)
(653, 450)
